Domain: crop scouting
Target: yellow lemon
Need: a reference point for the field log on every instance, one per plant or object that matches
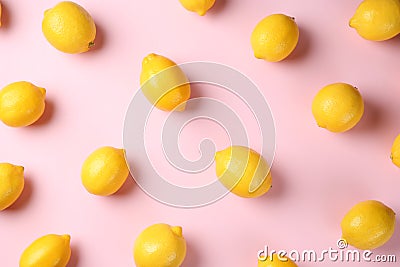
(395, 154)
(21, 104)
(338, 107)
(47, 251)
(69, 28)
(276, 261)
(11, 184)
(104, 171)
(0, 14)
(198, 6)
(377, 20)
(160, 245)
(368, 225)
(275, 37)
(159, 79)
(243, 171)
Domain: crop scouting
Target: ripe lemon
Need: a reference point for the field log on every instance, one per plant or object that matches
(395, 154)
(0, 14)
(368, 225)
(162, 90)
(198, 6)
(275, 261)
(275, 37)
(47, 251)
(160, 245)
(243, 171)
(11, 184)
(377, 20)
(104, 171)
(21, 104)
(69, 28)
(338, 107)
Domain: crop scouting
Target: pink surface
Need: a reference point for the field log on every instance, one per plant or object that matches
(317, 175)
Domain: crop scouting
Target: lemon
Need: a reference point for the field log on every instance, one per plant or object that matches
(198, 6)
(69, 28)
(47, 251)
(377, 20)
(0, 14)
(275, 37)
(104, 171)
(160, 245)
(368, 225)
(243, 171)
(338, 107)
(276, 261)
(162, 90)
(11, 184)
(21, 104)
(395, 154)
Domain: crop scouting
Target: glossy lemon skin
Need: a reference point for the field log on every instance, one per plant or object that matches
(368, 225)
(160, 245)
(275, 37)
(159, 79)
(11, 184)
(21, 104)
(276, 262)
(104, 171)
(338, 107)
(395, 153)
(243, 171)
(377, 20)
(199, 6)
(69, 28)
(47, 251)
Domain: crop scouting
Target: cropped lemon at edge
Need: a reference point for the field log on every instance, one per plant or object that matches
(21, 104)
(160, 245)
(164, 83)
(338, 107)
(69, 28)
(0, 13)
(368, 225)
(275, 37)
(47, 251)
(377, 20)
(243, 171)
(199, 6)
(395, 152)
(104, 171)
(11, 184)
(275, 261)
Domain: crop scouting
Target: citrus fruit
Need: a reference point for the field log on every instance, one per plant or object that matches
(69, 28)
(198, 6)
(11, 184)
(47, 251)
(276, 261)
(395, 154)
(368, 225)
(104, 171)
(21, 104)
(160, 245)
(275, 37)
(243, 171)
(163, 83)
(377, 20)
(338, 107)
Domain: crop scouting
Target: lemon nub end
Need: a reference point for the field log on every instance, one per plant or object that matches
(66, 238)
(177, 230)
(91, 44)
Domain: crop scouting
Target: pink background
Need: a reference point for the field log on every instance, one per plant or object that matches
(317, 175)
